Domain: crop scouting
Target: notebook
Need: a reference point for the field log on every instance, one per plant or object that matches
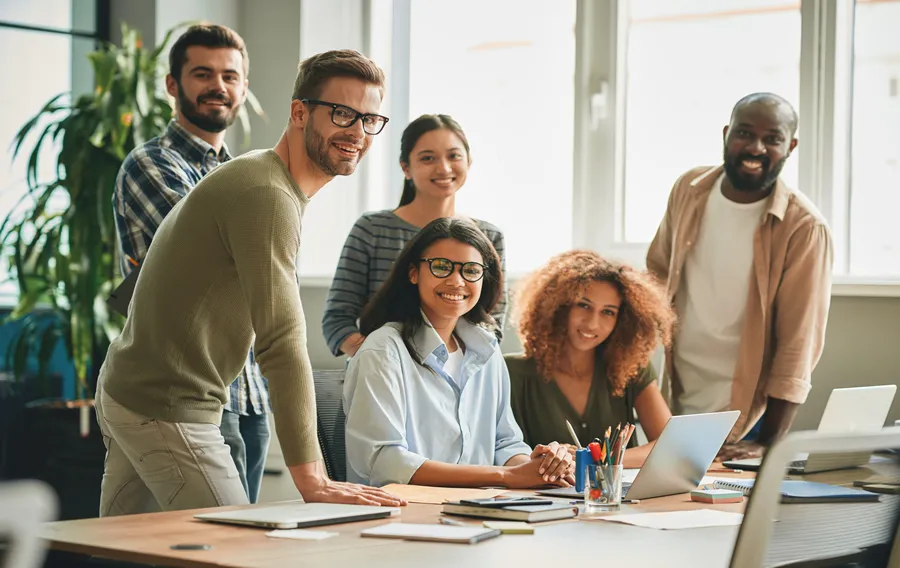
(796, 491)
(527, 513)
(439, 533)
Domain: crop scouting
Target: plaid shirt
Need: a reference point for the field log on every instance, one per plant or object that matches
(152, 179)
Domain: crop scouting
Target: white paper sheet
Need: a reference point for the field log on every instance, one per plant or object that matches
(628, 475)
(674, 520)
(301, 534)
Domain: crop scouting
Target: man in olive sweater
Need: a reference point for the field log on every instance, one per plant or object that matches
(220, 274)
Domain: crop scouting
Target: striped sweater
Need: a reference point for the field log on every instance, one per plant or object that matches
(369, 252)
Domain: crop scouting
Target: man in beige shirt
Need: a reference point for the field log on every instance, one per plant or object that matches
(219, 275)
(747, 262)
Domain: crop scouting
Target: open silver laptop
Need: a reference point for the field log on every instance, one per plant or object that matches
(295, 515)
(848, 411)
(679, 460)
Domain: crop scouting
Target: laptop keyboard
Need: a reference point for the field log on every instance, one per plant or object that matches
(797, 464)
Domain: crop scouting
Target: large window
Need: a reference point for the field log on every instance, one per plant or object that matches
(29, 85)
(505, 71)
(687, 63)
(875, 181)
(582, 113)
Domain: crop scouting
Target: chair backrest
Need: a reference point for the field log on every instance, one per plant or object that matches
(329, 386)
(24, 506)
(822, 534)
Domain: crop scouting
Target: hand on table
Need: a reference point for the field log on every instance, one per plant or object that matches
(315, 487)
(339, 492)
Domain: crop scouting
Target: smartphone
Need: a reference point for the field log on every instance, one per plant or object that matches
(506, 501)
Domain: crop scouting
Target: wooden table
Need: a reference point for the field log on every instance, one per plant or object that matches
(148, 538)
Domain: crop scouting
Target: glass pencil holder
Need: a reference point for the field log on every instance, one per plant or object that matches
(602, 487)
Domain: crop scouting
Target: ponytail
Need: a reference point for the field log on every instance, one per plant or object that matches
(409, 192)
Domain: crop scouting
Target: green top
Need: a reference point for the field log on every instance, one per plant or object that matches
(221, 269)
(541, 409)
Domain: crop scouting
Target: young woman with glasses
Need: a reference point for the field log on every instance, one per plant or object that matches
(434, 156)
(427, 396)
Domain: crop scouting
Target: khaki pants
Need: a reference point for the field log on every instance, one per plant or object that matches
(153, 465)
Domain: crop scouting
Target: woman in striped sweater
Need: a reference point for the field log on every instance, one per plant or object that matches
(434, 156)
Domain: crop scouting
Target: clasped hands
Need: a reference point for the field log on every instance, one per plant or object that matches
(549, 464)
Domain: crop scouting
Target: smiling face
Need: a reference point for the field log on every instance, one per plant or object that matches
(445, 300)
(336, 151)
(211, 88)
(593, 316)
(757, 143)
(438, 163)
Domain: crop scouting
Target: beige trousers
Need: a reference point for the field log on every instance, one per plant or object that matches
(153, 465)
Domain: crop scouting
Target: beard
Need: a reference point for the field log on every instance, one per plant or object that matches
(317, 148)
(742, 182)
(217, 120)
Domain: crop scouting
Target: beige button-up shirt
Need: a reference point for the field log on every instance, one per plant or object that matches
(787, 304)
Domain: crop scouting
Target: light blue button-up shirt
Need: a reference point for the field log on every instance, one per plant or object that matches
(400, 413)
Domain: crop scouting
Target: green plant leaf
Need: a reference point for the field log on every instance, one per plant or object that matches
(255, 106)
(104, 64)
(47, 111)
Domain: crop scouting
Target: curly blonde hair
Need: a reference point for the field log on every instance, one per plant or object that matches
(542, 308)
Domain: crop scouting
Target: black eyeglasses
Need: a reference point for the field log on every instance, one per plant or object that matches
(443, 267)
(345, 117)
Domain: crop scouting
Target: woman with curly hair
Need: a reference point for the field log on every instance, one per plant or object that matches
(588, 327)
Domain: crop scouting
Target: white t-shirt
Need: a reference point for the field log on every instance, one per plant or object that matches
(454, 364)
(711, 301)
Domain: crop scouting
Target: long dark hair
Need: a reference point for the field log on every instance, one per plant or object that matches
(397, 300)
(411, 135)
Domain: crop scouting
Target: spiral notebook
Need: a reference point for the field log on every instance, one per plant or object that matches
(796, 491)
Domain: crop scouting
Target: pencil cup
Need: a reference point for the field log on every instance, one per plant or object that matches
(602, 486)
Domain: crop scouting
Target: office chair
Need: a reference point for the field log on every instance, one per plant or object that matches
(24, 506)
(329, 385)
(858, 534)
